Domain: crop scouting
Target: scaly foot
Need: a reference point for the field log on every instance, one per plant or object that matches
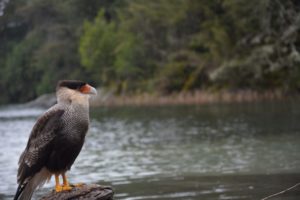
(61, 188)
(66, 187)
(58, 188)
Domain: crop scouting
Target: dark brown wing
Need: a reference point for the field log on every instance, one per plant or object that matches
(39, 144)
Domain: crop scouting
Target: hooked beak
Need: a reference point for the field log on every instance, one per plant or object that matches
(87, 89)
(93, 91)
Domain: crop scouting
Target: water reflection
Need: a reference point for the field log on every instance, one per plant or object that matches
(187, 152)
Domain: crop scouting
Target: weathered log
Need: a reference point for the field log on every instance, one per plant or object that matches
(84, 192)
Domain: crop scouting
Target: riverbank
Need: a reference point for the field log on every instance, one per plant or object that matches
(109, 99)
(187, 98)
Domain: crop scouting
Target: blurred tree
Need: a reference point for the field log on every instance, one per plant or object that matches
(159, 46)
(267, 54)
(97, 48)
(19, 60)
(39, 41)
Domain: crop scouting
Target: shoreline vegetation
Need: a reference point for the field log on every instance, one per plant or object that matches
(108, 98)
(198, 97)
(157, 47)
(187, 98)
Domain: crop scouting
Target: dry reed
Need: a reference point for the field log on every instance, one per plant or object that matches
(187, 98)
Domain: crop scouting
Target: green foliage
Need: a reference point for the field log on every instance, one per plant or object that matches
(268, 55)
(112, 53)
(39, 46)
(160, 46)
(19, 70)
(97, 48)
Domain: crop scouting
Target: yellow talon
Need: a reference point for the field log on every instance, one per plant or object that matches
(65, 187)
(58, 188)
(78, 185)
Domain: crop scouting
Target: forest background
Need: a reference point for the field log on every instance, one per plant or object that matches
(156, 47)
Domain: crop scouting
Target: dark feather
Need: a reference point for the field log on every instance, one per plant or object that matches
(71, 84)
(55, 140)
(19, 191)
(39, 147)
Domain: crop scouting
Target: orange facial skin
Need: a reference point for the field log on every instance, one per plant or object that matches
(85, 89)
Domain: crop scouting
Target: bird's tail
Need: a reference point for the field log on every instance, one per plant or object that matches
(19, 191)
(25, 190)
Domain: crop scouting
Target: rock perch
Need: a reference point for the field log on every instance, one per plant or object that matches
(84, 192)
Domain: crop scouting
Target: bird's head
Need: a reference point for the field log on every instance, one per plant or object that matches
(74, 91)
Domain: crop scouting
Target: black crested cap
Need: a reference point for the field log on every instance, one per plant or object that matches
(71, 84)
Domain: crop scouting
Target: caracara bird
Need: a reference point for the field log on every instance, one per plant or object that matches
(56, 139)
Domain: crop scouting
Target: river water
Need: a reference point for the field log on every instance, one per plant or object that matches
(219, 151)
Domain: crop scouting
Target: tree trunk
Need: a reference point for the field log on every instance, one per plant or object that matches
(84, 192)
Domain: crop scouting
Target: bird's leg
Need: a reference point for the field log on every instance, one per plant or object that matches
(66, 185)
(58, 187)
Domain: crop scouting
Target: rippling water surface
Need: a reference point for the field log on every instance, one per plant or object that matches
(244, 151)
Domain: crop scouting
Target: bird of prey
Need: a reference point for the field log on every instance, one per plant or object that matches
(56, 139)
